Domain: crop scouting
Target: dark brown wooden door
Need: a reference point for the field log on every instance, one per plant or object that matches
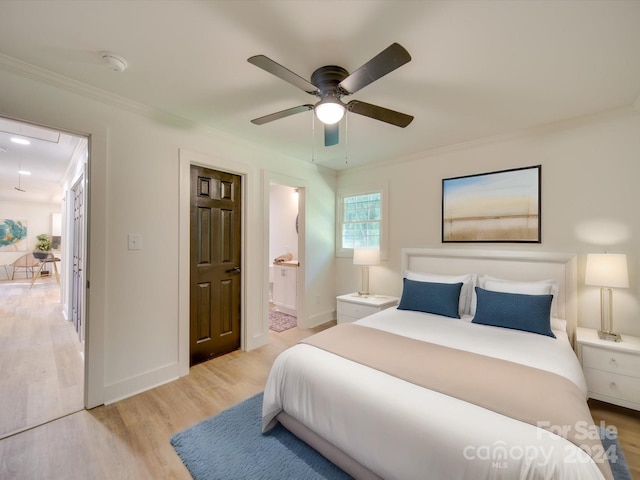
(215, 263)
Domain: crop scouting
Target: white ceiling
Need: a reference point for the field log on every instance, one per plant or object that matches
(46, 158)
(479, 68)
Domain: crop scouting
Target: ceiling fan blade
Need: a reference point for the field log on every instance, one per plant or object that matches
(379, 113)
(281, 114)
(385, 62)
(285, 74)
(331, 134)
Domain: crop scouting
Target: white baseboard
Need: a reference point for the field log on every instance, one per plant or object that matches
(320, 318)
(140, 383)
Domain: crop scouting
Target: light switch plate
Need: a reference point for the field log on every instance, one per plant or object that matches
(135, 241)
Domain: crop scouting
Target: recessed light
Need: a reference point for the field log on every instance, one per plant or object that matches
(24, 172)
(20, 141)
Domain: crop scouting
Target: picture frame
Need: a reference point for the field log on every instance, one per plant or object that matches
(495, 207)
(13, 235)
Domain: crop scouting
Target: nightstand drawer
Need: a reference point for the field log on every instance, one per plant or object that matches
(355, 310)
(616, 386)
(611, 361)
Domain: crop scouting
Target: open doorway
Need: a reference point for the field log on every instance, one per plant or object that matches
(41, 319)
(285, 282)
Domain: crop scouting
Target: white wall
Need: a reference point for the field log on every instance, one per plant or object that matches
(134, 320)
(283, 210)
(590, 198)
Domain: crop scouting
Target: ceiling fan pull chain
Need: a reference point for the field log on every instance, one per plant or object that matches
(313, 138)
(346, 139)
(19, 187)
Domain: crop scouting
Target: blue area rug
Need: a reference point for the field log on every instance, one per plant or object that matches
(618, 463)
(231, 446)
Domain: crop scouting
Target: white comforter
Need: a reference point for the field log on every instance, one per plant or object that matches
(402, 431)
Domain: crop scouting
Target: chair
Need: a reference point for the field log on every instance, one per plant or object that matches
(27, 262)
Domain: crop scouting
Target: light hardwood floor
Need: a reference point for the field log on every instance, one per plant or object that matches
(130, 439)
(41, 365)
(627, 422)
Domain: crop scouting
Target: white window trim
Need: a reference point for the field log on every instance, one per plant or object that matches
(384, 209)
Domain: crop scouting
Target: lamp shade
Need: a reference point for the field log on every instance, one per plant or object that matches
(366, 256)
(329, 110)
(607, 270)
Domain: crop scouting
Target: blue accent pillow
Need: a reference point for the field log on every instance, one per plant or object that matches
(428, 297)
(529, 313)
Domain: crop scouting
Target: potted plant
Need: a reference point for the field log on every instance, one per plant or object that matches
(43, 246)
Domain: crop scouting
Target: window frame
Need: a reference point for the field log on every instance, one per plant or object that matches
(342, 193)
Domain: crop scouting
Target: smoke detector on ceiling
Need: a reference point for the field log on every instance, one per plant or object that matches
(115, 62)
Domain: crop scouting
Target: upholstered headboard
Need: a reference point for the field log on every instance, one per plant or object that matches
(508, 264)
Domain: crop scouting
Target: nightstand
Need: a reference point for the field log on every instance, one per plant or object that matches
(352, 307)
(612, 369)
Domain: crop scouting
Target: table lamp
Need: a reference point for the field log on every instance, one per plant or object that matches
(607, 271)
(365, 257)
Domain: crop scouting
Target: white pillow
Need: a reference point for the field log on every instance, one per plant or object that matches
(538, 287)
(527, 288)
(468, 283)
(558, 324)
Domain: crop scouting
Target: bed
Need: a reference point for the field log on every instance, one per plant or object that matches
(408, 394)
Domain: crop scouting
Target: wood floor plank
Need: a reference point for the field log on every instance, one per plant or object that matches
(13, 415)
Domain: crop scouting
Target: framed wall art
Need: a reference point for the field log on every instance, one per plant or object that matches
(13, 235)
(501, 206)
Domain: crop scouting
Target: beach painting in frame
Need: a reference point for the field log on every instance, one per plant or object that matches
(13, 235)
(499, 206)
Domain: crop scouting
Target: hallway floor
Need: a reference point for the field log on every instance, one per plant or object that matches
(41, 358)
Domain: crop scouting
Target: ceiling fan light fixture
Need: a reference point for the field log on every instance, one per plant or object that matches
(332, 82)
(329, 110)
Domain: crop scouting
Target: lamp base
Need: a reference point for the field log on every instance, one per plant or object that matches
(609, 336)
(362, 294)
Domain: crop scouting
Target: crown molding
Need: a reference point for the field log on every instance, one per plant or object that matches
(27, 70)
(505, 137)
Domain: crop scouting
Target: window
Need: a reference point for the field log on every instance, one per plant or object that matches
(360, 221)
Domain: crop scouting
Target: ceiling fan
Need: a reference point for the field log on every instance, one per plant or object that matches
(330, 83)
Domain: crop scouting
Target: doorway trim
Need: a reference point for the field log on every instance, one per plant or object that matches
(293, 182)
(250, 337)
(94, 245)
